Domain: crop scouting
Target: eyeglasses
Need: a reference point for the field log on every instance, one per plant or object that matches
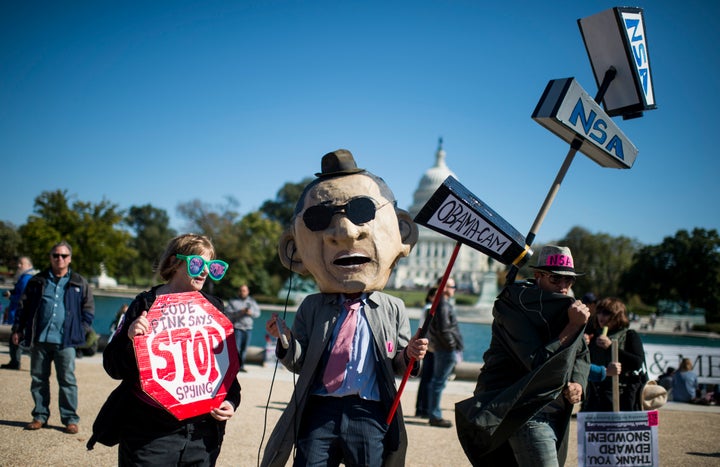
(556, 279)
(60, 255)
(359, 210)
(196, 264)
(604, 312)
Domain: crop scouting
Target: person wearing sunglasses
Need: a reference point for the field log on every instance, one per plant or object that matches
(348, 342)
(148, 434)
(535, 370)
(446, 343)
(55, 312)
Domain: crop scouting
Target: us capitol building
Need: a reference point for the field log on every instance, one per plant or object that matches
(473, 271)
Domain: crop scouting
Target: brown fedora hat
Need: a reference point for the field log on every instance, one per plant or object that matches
(338, 162)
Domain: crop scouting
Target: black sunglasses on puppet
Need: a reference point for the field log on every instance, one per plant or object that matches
(358, 210)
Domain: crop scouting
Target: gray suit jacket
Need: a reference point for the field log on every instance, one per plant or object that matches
(312, 330)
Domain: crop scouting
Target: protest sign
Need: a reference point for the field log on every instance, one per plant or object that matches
(618, 438)
(456, 212)
(188, 360)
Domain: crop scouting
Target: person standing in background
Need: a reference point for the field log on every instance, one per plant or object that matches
(445, 343)
(23, 273)
(55, 313)
(422, 404)
(242, 310)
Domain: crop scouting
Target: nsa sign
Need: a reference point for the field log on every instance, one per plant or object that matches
(569, 112)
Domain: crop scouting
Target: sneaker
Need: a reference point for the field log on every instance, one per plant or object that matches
(10, 366)
(440, 422)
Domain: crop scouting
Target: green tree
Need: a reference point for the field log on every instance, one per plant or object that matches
(259, 265)
(602, 258)
(685, 268)
(249, 245)
(9, 245)
(281, 209)
(93, 230)
(152, 232)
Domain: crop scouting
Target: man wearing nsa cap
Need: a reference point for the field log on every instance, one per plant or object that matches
(535, 370)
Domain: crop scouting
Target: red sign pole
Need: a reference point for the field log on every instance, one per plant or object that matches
(424, 330)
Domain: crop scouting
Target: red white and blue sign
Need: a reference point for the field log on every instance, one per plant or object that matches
(188, 360)
(617, 38)
(569, 112)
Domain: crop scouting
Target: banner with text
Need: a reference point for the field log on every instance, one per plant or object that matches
(623, 439)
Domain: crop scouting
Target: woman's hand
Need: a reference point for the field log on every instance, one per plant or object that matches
(224, 412)
(139, 327)
(604, 342)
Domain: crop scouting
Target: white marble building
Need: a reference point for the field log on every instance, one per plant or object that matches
(427, 262)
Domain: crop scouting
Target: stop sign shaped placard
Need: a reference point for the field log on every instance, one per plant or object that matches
(188, 360)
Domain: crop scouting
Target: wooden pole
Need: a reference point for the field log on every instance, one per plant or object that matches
(615, 378)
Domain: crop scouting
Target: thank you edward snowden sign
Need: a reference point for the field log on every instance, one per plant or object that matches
(622, 439)
(455, 212)
(569, 112)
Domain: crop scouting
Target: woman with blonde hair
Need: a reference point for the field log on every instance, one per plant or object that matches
(147, 433)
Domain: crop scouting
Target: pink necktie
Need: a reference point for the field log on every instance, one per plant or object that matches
(340, 353)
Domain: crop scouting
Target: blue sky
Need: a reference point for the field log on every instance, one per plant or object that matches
(167, 102)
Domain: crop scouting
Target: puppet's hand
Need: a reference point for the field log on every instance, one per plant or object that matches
(417, 347)
(276, 327)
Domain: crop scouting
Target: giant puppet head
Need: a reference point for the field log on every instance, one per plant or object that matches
(347, 230)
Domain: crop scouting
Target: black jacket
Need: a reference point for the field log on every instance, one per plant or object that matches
(444, 332)
(525, 369)
(79, 309)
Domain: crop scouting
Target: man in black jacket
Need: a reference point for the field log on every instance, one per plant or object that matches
(445, 341)
(534, 371)
(54, 314)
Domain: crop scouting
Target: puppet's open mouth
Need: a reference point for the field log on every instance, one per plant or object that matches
(351, 260)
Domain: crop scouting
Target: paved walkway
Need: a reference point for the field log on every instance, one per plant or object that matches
(688, 434)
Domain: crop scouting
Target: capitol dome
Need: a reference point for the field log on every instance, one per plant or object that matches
(431, 180)
(473, 271)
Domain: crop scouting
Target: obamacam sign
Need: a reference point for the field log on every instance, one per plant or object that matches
(454, 211)
(188, 360)
(569, 112)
